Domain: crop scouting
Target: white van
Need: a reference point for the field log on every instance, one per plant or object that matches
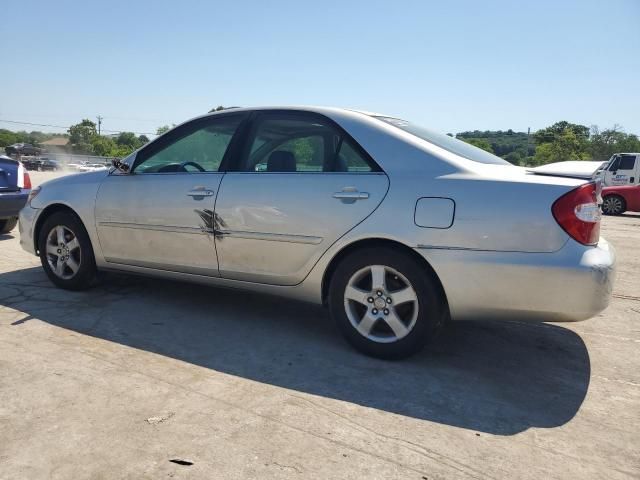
(621, 169)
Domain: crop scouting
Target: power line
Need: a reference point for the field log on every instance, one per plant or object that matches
(66, 128)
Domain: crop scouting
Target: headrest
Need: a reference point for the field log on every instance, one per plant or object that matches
(281, 161)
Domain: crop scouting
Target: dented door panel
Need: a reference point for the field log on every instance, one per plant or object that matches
(159, 221)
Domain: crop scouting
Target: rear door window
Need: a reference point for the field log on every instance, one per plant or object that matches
(288, 142)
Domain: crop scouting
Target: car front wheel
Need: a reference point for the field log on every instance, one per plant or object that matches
(385, 303)
(66, 253)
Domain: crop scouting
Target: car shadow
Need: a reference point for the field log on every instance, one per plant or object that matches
(495, 377)
(6, 236)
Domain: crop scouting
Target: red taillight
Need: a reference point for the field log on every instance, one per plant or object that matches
(578, 213)
(26, 181)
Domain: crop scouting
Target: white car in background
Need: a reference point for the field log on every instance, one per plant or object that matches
(571, 168)
(621, 169)
(92, 167)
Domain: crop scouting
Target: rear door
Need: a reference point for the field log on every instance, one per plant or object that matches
(300, 184)
(161, 214)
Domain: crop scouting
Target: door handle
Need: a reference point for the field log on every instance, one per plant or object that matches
(351, 195)
(200, 193)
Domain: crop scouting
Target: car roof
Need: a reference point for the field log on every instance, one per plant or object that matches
(300, 108)
(361, 124)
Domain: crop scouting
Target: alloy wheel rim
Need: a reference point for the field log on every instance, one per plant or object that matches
(381, 304)
(63, 252)
(612, 205)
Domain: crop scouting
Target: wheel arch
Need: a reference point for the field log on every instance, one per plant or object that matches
(378, 242)
(46, 213)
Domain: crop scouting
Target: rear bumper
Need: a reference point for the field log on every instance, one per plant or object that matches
(26, 227)
(574, 283)
(12, 202)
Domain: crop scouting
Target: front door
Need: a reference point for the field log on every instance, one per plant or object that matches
(161, 214)
(299, 186)
(623, 170)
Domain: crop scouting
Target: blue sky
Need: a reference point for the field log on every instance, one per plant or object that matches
(450, 65)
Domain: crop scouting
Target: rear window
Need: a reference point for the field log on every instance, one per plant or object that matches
(450, 144)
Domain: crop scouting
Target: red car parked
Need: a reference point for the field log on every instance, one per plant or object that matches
(617, 200)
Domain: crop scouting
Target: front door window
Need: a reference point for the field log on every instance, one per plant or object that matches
(196, 147)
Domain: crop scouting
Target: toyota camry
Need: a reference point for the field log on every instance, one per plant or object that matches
(395, 228)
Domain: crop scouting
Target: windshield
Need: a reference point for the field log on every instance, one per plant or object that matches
(613, 162)
(450, 144)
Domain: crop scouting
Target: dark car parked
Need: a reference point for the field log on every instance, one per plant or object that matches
(22, 149)
(41, 164)
(15, 186)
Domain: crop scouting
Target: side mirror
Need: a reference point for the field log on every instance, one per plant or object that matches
(120, 165)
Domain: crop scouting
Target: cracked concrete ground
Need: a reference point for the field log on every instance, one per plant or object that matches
(142, 378)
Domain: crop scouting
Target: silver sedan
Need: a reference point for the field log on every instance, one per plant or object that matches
(395, 228)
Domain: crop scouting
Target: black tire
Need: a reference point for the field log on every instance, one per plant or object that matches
(85, 275)
(8, 224)
(613, 205)
(431, 304)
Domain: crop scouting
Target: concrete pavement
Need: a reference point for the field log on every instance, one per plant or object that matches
(133, 377)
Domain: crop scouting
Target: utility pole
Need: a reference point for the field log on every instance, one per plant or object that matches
(528, 133)
(99, 123)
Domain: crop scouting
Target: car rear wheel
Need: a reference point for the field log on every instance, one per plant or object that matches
(66, 253)
(613, 205)
(385, 304)
(8, 224)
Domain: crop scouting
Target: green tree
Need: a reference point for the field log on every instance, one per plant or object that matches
(605, 143)
(560, 142)
(81, 134)
(143, 140)
(514, 157)
(480, 143)
(502, 142)
(549, 134)
(7, 137)
(566, 146)
(217, 109)
(36, 137)
(103, 146)
(128, 140)
(163, 129)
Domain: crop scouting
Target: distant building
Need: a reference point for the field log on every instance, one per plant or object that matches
(56, 145)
